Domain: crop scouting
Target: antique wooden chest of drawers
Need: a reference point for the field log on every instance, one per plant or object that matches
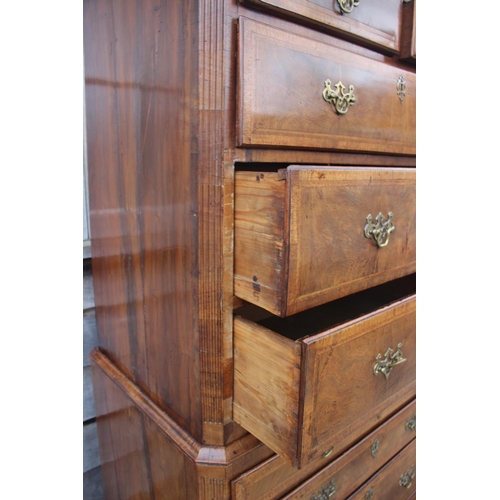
(252, 204)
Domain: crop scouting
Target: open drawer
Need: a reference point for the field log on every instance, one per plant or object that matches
(304, 235)
(302, 393)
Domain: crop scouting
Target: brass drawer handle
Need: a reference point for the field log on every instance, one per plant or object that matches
(339, 99)
(411, 425)
(375, 447)
(381, 231)
(346, 6)
(407, 478)
(326, 492)
(391, 359)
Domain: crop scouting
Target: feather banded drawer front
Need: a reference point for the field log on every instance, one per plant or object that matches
(351, 468)
(372, 22)
(253, 216)
(304, 235)
(303, 392)
(301, 93)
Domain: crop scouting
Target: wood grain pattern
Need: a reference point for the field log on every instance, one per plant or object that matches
(355, 466)
(161, 89)
(329, 255)
(215, 219)
(161, 201)
(385, 484)
(375, 24)
(267, 386)
(275, 478)
(138, 459)
(143, 194)
(409, 31)
(260, 253)
(282, 78)
(341, 394)
(303, 397)
(168, 463)
(300, 242)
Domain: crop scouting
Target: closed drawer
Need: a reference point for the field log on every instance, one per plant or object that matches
(300, 234)
(396, 481)
(409, 31)
(274, 478)
(373, 22)
(282, 82)
(302, 394)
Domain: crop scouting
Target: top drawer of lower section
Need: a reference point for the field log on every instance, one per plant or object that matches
(296, 92)
(308, 235)
(376, 23)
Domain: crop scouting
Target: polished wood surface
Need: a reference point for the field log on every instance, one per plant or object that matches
(282, 77)
(299, 233)
(409, 31)
(166, 462)
(386, 483)
(275, 478)
(138, 460)
(165, 123)
(301, 397)
(355, 466)
(162, 247)
(375, 23)
(143, 202)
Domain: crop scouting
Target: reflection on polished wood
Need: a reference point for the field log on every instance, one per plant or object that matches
(374, 23)
(183, 100)
(281, 77)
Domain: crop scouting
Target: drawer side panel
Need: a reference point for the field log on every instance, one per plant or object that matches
(259, 270)
(267, 386)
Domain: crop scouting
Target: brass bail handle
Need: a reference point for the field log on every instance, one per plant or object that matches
(326, 492)
(391, 359)
(339, 98)
(380, 231)
(406, 478)
(346, 6)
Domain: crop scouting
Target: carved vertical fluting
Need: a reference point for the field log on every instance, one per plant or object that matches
(210, 223)
(213, 488)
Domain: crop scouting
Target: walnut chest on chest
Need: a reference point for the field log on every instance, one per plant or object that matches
(252, 204)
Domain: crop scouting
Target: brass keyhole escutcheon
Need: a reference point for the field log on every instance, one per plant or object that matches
(375, 446)
(401, 88)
